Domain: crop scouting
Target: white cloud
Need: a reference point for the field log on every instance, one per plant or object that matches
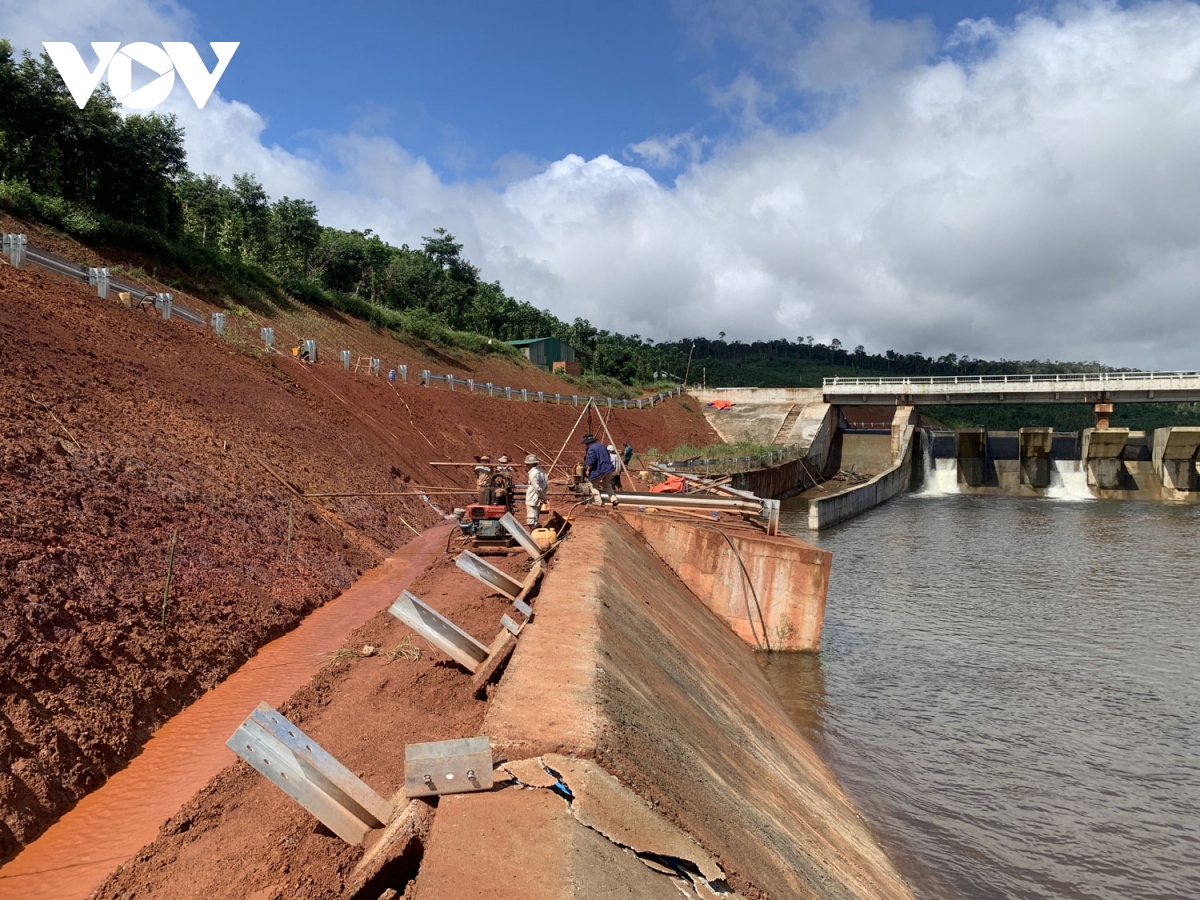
(1034, 194)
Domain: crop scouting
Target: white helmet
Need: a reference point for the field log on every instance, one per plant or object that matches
(531, 460)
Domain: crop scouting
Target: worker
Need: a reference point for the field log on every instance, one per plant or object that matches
(615, 458)
(504, 466)
(483, 479)
(627, 455)
(597, 467)
(535, 493)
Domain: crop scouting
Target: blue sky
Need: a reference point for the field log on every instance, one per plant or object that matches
(995, 179)
(466, 84)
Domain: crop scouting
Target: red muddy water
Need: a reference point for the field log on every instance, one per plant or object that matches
(112, 823)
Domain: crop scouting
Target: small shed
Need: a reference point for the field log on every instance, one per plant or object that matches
(545, 352)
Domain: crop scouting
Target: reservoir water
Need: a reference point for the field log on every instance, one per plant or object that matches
(1009, 690)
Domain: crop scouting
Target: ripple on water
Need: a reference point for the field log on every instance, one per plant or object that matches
(1010, 692)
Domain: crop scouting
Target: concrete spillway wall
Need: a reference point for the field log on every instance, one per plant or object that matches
(896, 478)
(626, 667)
(737, 573)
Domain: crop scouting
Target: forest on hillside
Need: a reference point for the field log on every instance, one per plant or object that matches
(107, 177)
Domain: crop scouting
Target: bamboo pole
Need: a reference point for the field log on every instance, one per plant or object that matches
(570, 435)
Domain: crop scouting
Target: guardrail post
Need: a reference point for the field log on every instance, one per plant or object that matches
(639, 403)
(14, 248)
(98, 278)
(450, 381)
(218, 323)
(609, 399)
(403, 370)
(162, 302)
(508, 393)
(471, 385)
(524, 395)
(345, 355)
(267, 336)
(376, 364)
(541, 397)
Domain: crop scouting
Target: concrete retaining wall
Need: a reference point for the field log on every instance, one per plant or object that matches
(758, 414)
(789, 577)
(826, 511)
(624, 666)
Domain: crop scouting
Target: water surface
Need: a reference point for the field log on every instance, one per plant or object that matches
(1009, 690)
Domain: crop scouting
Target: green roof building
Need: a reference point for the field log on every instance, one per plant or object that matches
(545, 352)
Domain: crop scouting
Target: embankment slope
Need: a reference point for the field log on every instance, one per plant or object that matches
(625, 666)
(119, 430)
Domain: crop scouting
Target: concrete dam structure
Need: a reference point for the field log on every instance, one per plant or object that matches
(861, 442)
(1095, 463)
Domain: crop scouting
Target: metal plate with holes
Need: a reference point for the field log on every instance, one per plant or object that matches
(304, 771)
(448, 767)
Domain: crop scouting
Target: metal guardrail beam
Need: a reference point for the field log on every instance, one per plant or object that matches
(65, 267)
(1098, 377)
(1081, 387)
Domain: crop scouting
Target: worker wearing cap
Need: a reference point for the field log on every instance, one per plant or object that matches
(483, 479)
(597, 467)
(535, 492)
(615, 458)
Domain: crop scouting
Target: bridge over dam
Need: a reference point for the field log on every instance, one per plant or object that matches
(858, 442)
(1082, 387)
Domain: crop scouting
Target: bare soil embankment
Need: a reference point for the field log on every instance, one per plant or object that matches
(119, 430)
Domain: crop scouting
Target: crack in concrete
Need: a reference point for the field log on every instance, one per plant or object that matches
(589, 807)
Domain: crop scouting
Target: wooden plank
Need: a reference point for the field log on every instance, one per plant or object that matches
(488, 574)
(523, 537)
(448, 767)
(439, 631)
(501, 650)
(342, 802)
(531, 581)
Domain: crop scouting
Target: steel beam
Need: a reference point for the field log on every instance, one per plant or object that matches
(439, 631)
(297, 764)
(489, 574)
(523, 537)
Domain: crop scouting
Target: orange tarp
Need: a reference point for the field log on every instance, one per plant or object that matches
(675, 484)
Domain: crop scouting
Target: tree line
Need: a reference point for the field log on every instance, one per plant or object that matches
(133, 169)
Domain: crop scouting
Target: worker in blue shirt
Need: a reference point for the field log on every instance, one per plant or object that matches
(597, 467)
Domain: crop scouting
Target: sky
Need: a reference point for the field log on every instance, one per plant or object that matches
(995, 179)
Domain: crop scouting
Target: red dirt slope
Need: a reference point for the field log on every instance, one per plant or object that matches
(118, 430)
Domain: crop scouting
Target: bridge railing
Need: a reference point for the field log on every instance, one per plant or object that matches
(1094, 377)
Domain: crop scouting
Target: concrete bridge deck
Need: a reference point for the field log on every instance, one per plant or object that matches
(1083, 387)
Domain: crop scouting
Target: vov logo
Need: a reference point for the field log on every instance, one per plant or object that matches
(171, 57)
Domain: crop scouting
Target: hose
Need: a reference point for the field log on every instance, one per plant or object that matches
(757, 606)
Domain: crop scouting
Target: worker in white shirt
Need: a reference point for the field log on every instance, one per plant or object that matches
(535, 492)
